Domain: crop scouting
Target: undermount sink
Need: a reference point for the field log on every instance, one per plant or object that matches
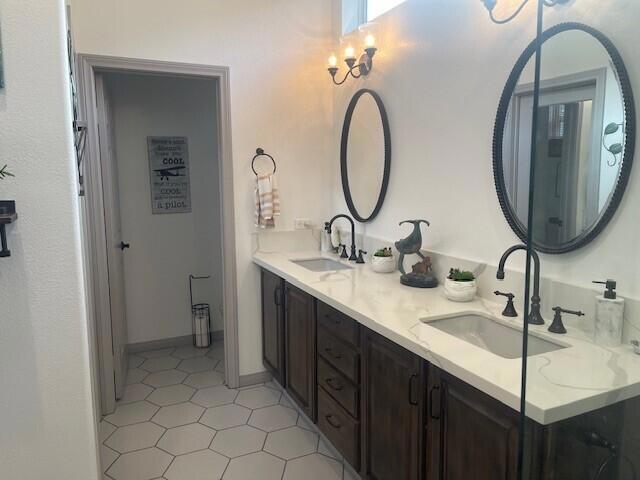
(321, 264)
(492, 336)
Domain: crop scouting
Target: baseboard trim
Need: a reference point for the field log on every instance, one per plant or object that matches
(255, 378)
(159, 344)
(169, 342)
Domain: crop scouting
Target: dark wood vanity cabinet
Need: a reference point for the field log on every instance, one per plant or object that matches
(470, 435)
(300, 348)
(394, 416)
(393, 410)
(273, 353)
(339, 381)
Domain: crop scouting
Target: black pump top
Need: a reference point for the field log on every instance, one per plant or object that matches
(610, 286)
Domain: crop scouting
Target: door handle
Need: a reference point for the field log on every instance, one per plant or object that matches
(276, 296)
(331, 422)
(123, 246)
(333, 384)
(434, 389)
(412, 378)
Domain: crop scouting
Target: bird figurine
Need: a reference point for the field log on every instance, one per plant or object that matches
(421, 276)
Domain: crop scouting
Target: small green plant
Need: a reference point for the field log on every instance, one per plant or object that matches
(383, 252)
(4, 173)
(458, 275)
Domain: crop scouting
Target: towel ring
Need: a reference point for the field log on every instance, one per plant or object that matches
(259, 153)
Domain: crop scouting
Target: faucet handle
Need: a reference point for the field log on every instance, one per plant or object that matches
(502, 294)
(557, 326)
(344, 253)
(360, 257)
(510, 309)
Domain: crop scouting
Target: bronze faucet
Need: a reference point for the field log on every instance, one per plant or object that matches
(535, 317)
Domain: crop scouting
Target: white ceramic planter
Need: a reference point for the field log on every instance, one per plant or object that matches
(460, 291)
(383, 264)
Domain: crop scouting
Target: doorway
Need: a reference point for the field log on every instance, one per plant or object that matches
(160, 210)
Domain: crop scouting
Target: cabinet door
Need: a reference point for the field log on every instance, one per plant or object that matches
(470, 433)
(273, 325)
(300, 347)
(394, 387)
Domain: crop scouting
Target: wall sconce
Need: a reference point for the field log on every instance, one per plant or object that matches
(490, 5)
(361, 66)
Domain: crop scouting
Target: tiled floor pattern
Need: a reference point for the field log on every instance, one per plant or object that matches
(178, 421)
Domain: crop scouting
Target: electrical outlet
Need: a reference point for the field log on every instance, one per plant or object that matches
(302, 224)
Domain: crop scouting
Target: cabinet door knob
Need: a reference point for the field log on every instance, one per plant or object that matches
(124, 246)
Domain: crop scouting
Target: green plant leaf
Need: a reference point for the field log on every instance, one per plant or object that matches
(611, 128)
(616, 148)
(4, 173)
(458, 275)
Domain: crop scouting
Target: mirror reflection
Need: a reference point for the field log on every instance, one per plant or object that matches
(579, 145)
(365, 155)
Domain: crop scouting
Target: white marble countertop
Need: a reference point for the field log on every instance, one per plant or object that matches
(560, 384)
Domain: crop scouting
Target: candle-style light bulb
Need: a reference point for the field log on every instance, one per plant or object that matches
(370, 41)
(349, 53)
(333, 61)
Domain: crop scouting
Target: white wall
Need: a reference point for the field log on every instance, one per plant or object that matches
(280, 100)
(166, 248)
(47, 425)
(440, 70)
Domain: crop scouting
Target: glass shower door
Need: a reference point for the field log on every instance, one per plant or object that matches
(581, 417)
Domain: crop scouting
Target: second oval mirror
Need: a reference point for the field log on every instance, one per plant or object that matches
(365, 155)
(584, 143)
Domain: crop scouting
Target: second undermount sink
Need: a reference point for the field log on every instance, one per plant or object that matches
(321, 264)
(492, 336)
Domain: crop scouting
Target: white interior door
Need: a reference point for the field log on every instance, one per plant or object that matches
(113, 233)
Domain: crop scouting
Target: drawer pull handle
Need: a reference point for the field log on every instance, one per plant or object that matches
(335, 356)
(333, 384)
(332, 422)
(337, 321)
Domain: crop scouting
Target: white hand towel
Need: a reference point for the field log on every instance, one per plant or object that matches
(267, 201)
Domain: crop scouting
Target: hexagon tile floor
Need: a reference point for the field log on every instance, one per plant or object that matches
(178, 421)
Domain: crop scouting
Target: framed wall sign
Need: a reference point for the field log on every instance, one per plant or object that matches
(169, 174)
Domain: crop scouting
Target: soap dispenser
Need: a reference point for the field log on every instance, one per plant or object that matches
(609, 316)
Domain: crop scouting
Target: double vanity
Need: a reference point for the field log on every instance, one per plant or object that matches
(408, 385)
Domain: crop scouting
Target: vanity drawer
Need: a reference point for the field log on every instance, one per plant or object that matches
(340, 355)
(340, 429)
(338, 387)
(339, 324)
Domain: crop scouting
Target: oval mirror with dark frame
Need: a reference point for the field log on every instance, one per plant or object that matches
(585, 139)
(365, 155)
